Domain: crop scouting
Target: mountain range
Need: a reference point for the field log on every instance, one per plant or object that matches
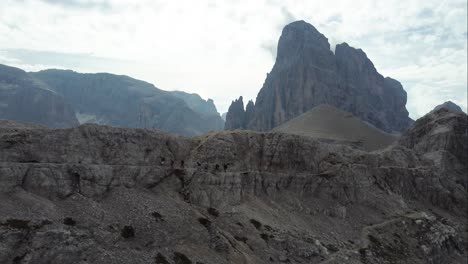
(64, 98)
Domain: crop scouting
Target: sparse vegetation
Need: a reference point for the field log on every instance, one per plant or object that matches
(127, 232)
(157, 216)
(256, 223)
(17, 224)
(180, 258)
(213, 212)
(160, 259)
(69, 221)
(205, 222)
(241, 239)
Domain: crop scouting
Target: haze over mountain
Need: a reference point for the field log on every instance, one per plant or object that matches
(307, 73)
(26, 99)
(105, 99)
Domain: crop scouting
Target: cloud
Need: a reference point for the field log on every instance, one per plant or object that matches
(104, 5)
(223, 49)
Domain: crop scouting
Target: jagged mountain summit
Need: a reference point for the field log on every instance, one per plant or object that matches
(64, 98)
(307, 73)
(100, 194)
(329, 123)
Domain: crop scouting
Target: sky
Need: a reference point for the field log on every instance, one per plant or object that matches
(224, 49)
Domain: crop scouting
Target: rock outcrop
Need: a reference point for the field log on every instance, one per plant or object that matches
(26, 99)
(307, 73)
(98, 194)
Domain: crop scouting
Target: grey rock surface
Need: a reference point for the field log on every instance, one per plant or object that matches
(99, 194)
(307, 73)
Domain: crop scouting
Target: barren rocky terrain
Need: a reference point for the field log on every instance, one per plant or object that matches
(99, 194)
(332, 124)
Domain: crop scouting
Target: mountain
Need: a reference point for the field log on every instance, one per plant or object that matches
(330, 123)
(450, 106)
(26, 99)
(100, 194)
(126, 102)
(307, 73)
(196, 103)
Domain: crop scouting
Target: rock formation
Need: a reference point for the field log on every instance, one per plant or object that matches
(99, 194)
(26, 99)
(307, 73)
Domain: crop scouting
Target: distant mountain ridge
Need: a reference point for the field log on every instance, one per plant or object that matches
(114, 100)
(26, 99)
(307, 73)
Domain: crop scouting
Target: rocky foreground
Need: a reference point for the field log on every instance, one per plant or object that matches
(97, 194)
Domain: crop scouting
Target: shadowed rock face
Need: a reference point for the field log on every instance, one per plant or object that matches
(307, 73)
(25, 99)
(97, 194)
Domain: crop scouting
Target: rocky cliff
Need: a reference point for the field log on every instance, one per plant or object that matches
(98, 194)
(26, 99)
(307, 73)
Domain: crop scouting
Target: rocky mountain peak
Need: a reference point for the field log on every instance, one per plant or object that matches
(298, 38)
(235, 115)
(307, 73)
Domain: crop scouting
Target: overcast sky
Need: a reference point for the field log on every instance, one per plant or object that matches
(224, 49)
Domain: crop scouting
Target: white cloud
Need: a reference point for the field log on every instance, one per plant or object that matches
(222, 49)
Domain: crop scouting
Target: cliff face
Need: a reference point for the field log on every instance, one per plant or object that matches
(25, 99)
(307, 73)
(97, 194)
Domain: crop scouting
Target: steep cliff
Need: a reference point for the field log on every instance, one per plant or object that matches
(98, 194)
(307, 73)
